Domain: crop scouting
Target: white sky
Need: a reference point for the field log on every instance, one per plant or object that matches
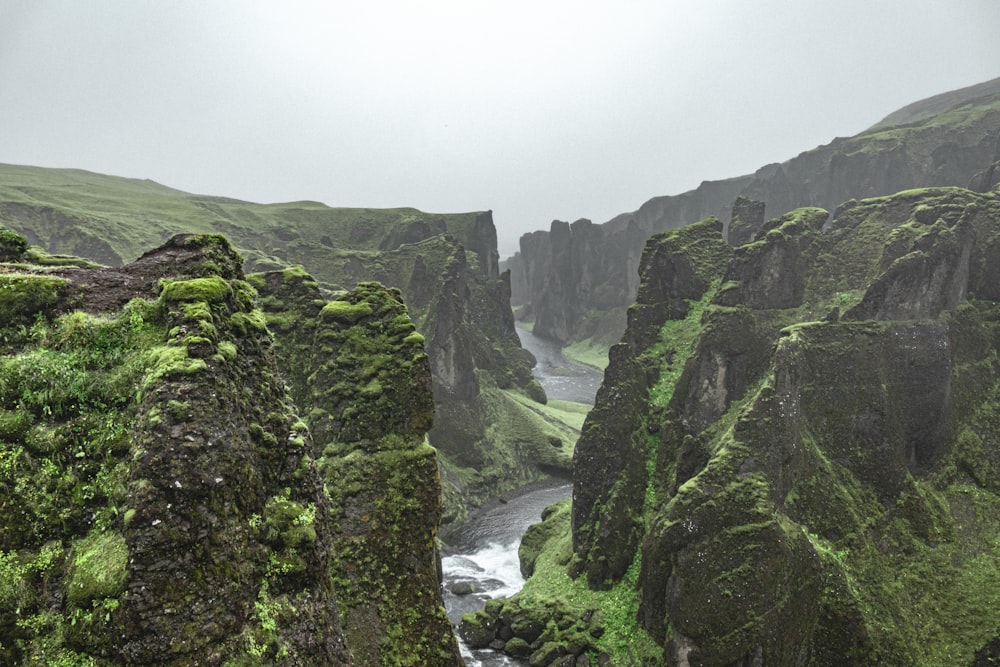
(536, 109)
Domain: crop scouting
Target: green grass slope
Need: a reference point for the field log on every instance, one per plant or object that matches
(133, 215)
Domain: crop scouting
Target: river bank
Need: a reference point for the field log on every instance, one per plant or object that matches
(479, 557)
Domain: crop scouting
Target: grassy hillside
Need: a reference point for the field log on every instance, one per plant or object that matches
(133, 215)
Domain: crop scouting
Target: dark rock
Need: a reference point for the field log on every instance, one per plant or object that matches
(463, 588)
(547, 655)
(528, 626)
(477, 630)
(610, 474)
(746, 220)
(565, 661)
(517, 648)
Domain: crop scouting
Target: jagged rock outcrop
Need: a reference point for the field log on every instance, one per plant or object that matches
(607, 489)
(949, 140)
(166, 504)
(747, 218)
(796, 494)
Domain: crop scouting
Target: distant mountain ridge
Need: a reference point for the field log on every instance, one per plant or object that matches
(576, 281)
(936, 104)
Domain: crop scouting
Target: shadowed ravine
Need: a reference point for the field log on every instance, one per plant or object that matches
(484, 550)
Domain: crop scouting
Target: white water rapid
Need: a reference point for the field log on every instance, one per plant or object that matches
(484, 550)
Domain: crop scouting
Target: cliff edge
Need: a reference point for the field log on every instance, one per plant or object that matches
(164, 503)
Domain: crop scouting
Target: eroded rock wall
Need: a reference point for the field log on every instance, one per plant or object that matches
(814, 482)
(172, 508)
(954, 144)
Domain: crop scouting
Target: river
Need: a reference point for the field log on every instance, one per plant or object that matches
(561, 378)
(483, 551)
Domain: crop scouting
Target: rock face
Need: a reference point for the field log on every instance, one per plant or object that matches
(607, 489)
(446, 267)
(461, 306)
(797, 438)
(171, 506)
(577, 286)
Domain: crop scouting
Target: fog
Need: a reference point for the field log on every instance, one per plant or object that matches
(536, 110)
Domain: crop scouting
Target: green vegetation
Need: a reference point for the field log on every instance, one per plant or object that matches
(12, 245)
(67, 405)
(120, 218)
(588, 352)
(206, 290)
(24, 295)
(344, 311)
(98, 568)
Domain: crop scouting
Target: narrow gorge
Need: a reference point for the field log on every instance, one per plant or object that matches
(754, 424)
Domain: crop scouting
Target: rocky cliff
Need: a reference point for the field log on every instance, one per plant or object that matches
(445, 266)
(164, 502)
(794, 455)
(578, 285)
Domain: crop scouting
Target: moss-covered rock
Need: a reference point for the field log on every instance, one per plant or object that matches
(362, 380)
(819, 449)
(12, 245)
(174, 509)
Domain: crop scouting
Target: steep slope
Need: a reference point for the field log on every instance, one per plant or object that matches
(163, 502)
(445, 266)
(794, 455)
(576, 281)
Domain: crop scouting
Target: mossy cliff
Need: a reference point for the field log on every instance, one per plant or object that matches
(481, 375)
(164, 502)
(576, 281)
(794, 457)
(445, 265)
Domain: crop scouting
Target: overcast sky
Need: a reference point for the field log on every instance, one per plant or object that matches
(538, 109)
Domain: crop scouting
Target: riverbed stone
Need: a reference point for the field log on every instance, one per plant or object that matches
(528, 627)
(547, 654)
(517, 648)
(463, 588)
(477, 630)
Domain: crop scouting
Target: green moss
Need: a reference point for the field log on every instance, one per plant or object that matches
(290, 523)
(414, 339)
(98, 567)
(212, 289)
(228, 350)
(247, 324)
(23, 295)
(168, 360)
(345, 311)
(12, 245)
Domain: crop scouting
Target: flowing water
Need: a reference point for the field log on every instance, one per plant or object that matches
(561, 378)
(484, 554)
(483, 551)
